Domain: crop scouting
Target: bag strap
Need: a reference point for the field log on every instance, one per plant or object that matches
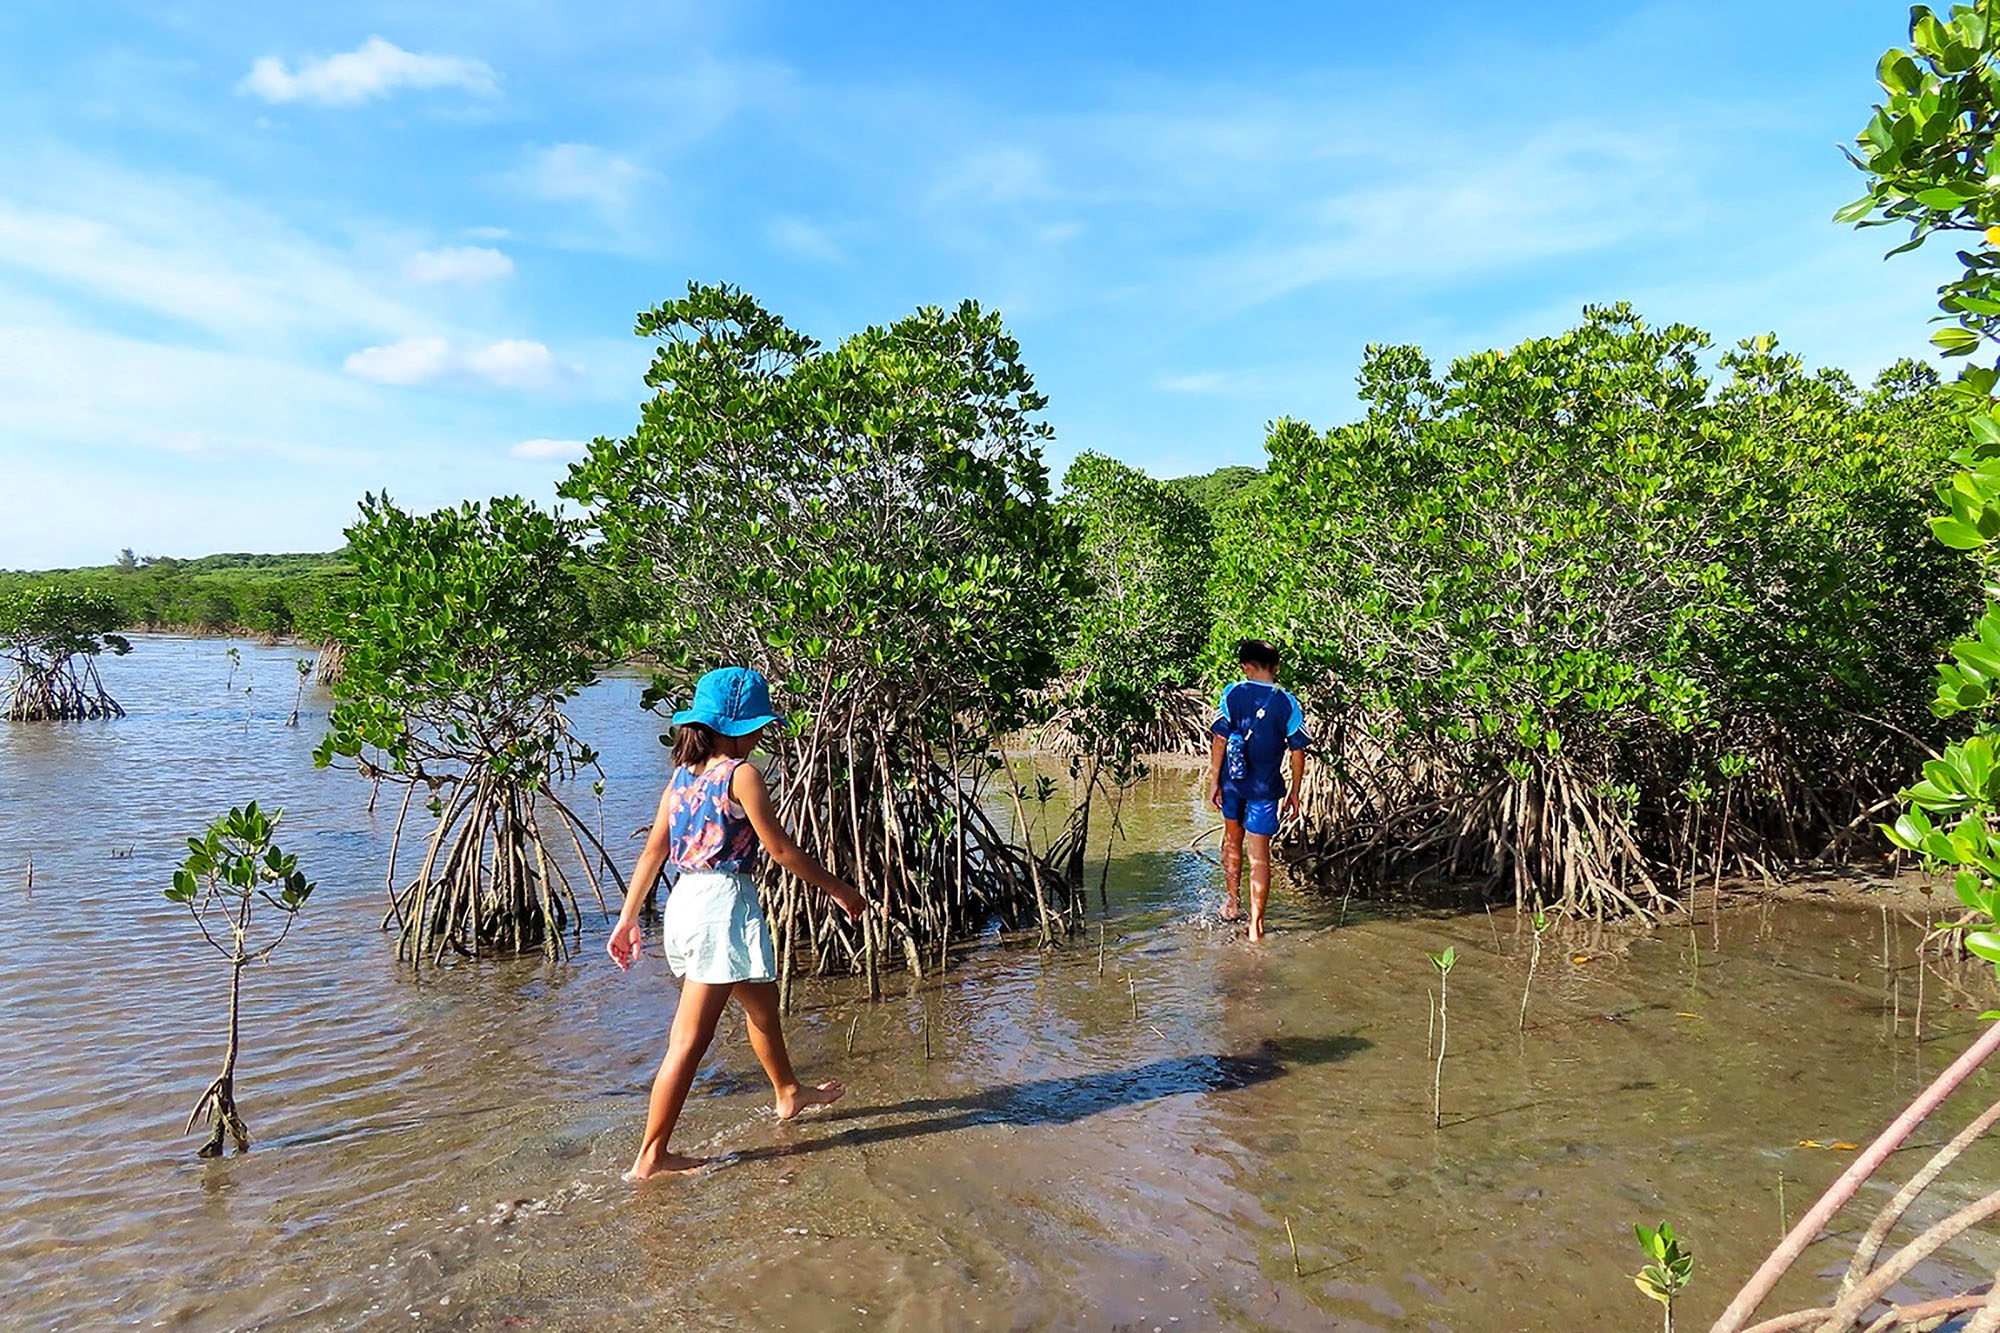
(1243, 728)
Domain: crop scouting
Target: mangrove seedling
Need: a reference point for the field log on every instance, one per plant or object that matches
(1665, 1277)
(51, 636)
(305, 668)
(1443, 962)
(227, 873)
(1542, 925)
(235, 661)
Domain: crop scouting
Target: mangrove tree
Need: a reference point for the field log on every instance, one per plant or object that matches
(466, 632)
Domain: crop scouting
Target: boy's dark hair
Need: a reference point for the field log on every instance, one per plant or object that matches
(694, 744)
(1257, 652)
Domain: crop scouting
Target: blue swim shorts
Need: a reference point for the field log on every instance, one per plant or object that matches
(1258, 817)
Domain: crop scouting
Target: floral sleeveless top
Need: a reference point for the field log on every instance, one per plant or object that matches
(706, 826)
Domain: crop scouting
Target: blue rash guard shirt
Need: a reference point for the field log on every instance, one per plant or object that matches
(1282, 728)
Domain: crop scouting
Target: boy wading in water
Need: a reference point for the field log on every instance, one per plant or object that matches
(713, 816)
(1257, 725)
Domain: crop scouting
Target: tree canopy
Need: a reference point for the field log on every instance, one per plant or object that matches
(870, 525)
(1566, 597)
(52, 634)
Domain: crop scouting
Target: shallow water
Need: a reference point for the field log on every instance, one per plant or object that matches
(443, 1151)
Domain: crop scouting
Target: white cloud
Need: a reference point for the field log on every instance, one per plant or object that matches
(488, 233)
(374, 69)
(1474, 213)
(411, 361)
(1202, 381)
(458, 263)
(998, 176)
(795, 236)
(54, 388)
(538, 449)
(183, 249)
(513, 364)
(582, 173)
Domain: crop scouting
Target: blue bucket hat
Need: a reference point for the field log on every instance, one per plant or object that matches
(734, 701)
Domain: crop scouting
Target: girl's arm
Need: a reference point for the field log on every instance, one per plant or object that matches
(746, 784)
(623, 945)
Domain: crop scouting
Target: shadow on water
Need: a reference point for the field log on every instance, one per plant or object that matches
(1064, 1101)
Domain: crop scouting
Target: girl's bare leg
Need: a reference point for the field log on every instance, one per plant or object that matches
(1232, 870)
(1260, 882)
(767, 1037)
(694, 1027)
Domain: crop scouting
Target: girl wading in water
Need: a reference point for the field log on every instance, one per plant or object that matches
(712, 816)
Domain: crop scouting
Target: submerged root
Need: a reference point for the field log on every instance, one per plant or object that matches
(218, 1103)
(1560, 829)
(329, 661)
(490, 881)
(884, 811)
(64, 692)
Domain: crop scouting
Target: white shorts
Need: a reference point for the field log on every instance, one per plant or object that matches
(713, 930)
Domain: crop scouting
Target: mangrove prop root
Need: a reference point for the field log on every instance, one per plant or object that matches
(491, 880)
(1892, 1213)
(1179, 726)
(1902, 1316)
(218, 1104)
(1593, 831)
(900, 817)
(63, 691)
(1737, 1315)
(1988, 1318)
(1878, 1283)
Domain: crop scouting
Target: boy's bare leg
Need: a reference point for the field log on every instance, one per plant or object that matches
(1232, 870)
(1260, 881)
(767, 1037)
(694, 1027)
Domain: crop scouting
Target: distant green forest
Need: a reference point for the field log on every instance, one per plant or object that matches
(235, 593)
(245, 593)
(1222, 488)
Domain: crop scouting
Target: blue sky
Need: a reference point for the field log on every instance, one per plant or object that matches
(257, 259)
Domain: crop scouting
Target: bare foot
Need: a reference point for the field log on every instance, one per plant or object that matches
(1232, 909)
(800, 1097)
(667, 1164)
(1256, 931)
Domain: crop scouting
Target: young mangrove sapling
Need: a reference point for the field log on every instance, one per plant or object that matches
(305, 668)
(227, 873)
(1443, 962)
(1666, 1276)
(1542, 925)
